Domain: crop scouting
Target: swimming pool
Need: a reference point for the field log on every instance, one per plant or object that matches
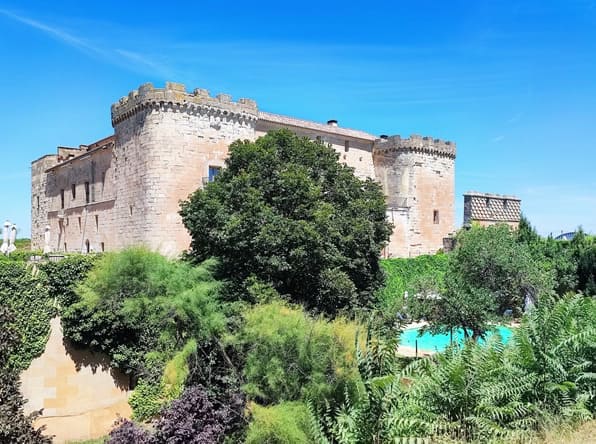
(439, 342)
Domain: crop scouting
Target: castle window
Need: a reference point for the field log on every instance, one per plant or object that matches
(487, 202)
(213, 172)
(347, 146)
(37, 202)
(62, 199)
(103, 247)
(87, 246)
(130, 209)
(65, 249)
(73, 190)
(435, 216)
(80, 226)
(505, 204)
(87, 196)
(103, 181)
(96, 223)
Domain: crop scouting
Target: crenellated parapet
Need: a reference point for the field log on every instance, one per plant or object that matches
(174, 97)
(416, 144)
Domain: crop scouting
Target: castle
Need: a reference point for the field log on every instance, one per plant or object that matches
(125, 189)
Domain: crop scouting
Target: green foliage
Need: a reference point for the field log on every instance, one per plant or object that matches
(27, 298)
(572, 262)
(403, 274)
(557, 341)
(583, 249)
(18, 256)
(177, 370)
(290, 356)
(63, 276)
(15, 427)
(147, 399)
(287, 213)
(550, 255)
(487, 273)
(23, 244)
(285, 423)
(140, 308)
(476, 393)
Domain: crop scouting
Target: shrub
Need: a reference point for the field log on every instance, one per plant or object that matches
(195, 418)
(149, 397)
(137, 305)
(285, 423)
(63, 276)
(127, 432)
(290, 356)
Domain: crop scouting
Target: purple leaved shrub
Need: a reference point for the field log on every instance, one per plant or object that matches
(196, 417)
(127, 432)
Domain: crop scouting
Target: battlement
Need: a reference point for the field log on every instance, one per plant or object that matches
(415, 143)
(175, 97)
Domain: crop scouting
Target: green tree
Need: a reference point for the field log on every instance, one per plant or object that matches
(551, 255)
(288, 213)
(584, 251)
(488, 272)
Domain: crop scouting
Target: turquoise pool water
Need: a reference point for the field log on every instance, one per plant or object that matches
(430, 342)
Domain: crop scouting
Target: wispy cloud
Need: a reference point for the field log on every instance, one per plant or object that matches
(497, 139)
(121, 57)
(57, 33)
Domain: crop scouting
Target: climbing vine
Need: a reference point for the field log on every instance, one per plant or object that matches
(26, 295)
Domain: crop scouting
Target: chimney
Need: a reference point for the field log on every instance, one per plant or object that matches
(332, 122)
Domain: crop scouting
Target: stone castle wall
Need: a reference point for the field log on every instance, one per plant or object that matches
(165, 141)
(418, 177)
(354, 147)
(40, 200)
(78, 196)
(164, 151)
(81, 396)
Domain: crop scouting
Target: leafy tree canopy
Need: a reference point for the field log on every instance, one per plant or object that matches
(488, 272)
(288, 213)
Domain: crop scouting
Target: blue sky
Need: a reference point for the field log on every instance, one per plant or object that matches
(512, 83)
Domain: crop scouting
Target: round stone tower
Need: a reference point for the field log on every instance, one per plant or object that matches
(168, 143)
(418, 177)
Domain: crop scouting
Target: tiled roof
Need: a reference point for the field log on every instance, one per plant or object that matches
(495, 208)
(315, 126)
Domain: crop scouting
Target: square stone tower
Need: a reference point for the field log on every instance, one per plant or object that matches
(489, 209)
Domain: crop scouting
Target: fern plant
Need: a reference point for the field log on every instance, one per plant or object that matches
(474, 393)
